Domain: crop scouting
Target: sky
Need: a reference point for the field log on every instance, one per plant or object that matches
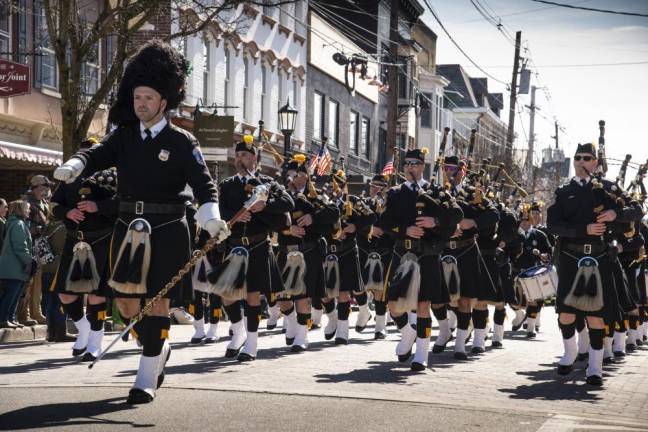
(578, 97)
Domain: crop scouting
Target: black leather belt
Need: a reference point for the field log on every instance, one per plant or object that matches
(247, 240)
(298, 247)
(459, 244)
(584, 248)
(408, 244)
(141, 207)
(341, 246)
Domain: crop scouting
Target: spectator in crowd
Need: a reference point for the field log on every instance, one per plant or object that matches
(16, 263)
(29, 312)
(3, 219)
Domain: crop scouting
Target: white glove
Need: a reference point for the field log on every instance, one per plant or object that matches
(69, 171)
(208, 217)
(218, 228)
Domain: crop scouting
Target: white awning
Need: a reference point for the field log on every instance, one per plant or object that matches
(30, 154)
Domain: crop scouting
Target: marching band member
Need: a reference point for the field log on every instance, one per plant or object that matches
(88, 209)
(251, 259)
(154, 161)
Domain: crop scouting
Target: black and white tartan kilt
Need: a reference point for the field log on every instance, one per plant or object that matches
(432, 288)
(385, 258)
(350, 275)
(474, 281)
(170, 251)
(99, 241)
(314, 276)
(626, 286)
(262, 271)
(567, 268)
(493, 291)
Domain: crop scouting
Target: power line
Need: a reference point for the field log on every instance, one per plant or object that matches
(436, 17)
(591, 9)
(579, 65)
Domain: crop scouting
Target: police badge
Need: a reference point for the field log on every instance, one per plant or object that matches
(164, 155)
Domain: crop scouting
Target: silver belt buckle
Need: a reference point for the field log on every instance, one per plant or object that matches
(292, 248)
(139, 207)
(453, 244)
(587, 249)
(408, 244)
(333, 249)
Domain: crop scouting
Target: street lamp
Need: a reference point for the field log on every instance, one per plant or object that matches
(287, 119)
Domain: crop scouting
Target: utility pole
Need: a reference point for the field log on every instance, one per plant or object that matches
(556, 160)
(529, 160)
(511, 123)
(392, 105)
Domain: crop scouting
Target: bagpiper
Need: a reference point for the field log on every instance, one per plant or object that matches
(155, 161)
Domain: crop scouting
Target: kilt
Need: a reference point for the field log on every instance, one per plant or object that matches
(431, 289)
(626, 285)
(261, 266)
(99, 241)
(349, 262)
(506, 279)
(385, 257)
(567, 268)
(474, 280)
(314, 276)
(634, 273)
(493, 291)
(170, 251)
(641, 285)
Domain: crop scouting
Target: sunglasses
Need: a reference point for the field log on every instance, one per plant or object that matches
(412, 163)
(451, 168)
(585, 158)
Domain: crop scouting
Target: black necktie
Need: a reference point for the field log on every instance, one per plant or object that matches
(415, 187)
(149, 136)
(583, 182)
(243, 180)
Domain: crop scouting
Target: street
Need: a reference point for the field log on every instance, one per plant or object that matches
(329, 387)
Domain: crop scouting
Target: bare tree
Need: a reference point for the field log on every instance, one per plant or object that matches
(75, 28)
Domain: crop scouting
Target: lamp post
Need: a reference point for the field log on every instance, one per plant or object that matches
(287, 119)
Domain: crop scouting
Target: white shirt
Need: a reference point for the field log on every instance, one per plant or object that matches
(578, 180)
(247, 177)
(421, 183)
(155, 129)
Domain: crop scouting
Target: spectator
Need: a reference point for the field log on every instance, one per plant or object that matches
(3, 219)
(29, 312)
(16, 262)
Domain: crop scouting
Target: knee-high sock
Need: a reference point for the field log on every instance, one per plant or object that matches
(96, 315)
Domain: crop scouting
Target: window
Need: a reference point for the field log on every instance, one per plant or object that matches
(22, 31)
(5, 32)
(318, 115)
(333, 122)
(353, 132)
(90, 72)
(45, 65)
(426, 100)
(364, 140)
(226, 86)
(264, 97)
(206, 69)
(246, 84)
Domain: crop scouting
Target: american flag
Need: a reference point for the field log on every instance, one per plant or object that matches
(321, 161)
(389, 168)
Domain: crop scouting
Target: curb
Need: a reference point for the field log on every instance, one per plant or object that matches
(24, 334)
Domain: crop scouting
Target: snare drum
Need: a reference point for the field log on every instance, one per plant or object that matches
(539, 283)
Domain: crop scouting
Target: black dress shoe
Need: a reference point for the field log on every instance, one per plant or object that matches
(608, 360)
(460, 356)
(582, 356)
(619, 354)
(341, 341)
(530, 335)
(315, 327)
(7, 325)
(297, 349)
(404, 357)
(477, 350)
(630, 347)
(231, 352)
(125, 337)
(639, 342)
(289, 341)
(245, 357)
(438, 349)
(271, 326)
(417, 367)
(210, 340)
(77, 352)
(17, 324)
(594, 380)
(359, 329)
(137, 396)
(565, 369)
(329, 336)
(497, 344)
(379, 336)
(87, 357)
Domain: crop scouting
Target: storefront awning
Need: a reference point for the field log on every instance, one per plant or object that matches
(31, 154)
